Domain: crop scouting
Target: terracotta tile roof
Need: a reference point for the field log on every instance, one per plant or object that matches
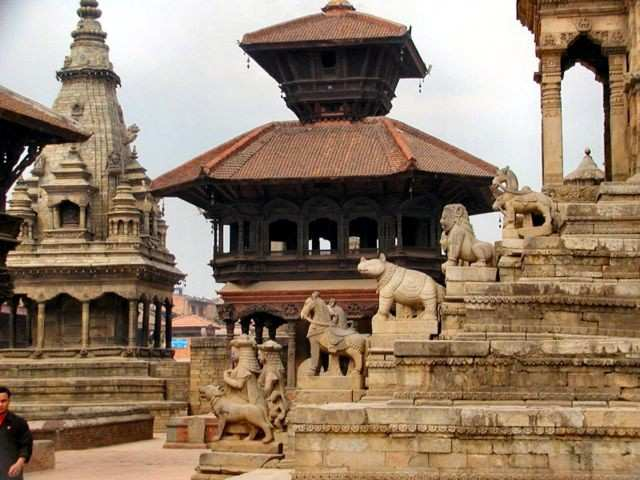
(376, 146)
(193, 321)
(334, 24)
(34, 116)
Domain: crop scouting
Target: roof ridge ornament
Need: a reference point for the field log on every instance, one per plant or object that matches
(338, 5)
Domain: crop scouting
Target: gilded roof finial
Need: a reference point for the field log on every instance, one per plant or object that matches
(89, 9)
(338, 5)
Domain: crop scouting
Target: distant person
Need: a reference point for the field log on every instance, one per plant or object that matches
(16, 442)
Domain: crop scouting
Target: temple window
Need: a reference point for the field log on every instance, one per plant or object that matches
(329, 62)
(69, 214)
(283, 236)
(323, 236)
(363, 234)
(230, 237)
(416, 232)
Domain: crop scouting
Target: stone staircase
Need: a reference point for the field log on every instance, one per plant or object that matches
(45, 389)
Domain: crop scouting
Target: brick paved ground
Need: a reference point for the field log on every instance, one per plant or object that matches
(145, 460)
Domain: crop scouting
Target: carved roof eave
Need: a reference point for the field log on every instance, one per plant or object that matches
(66, 74)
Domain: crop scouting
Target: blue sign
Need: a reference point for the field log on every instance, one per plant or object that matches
(179, 343)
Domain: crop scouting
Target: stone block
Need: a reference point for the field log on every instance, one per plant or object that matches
(484, 447)
(353, 460)
(626, 380)
(43, 457)
(233, 461)
(308, 458)
(319, 397)
(429, 444)
(529, 461)
(490, 461)
(347, 443)
(441, 348)
(245, 446)
(326, 382)
(414, 415)
(471, 274)
(448, 460)
(612, 417)
(331, 414)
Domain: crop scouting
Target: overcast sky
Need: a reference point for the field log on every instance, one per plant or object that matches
(186, 84)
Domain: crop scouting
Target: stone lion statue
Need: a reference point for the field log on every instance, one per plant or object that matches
(402, 285)
(460, 243)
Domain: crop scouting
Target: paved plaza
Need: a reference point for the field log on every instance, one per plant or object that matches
(145, 460)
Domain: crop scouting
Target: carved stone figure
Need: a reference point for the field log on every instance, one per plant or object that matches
(520, 206)
(338, 316)
(242, 399)
(132, 133)
(460, 243)
(337, 342)
(272, 382)
(230, 411)
(398, 284)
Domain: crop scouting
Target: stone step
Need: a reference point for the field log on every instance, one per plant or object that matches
(161, 410)
(73, 368)
(86, 389)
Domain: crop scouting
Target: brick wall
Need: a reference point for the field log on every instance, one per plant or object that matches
(209, 359)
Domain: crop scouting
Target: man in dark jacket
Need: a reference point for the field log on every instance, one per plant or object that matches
(16, 443)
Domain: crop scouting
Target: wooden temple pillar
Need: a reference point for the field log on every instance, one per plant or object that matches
(157, 327)
(168, 325)
(144, 336)
(13, 318)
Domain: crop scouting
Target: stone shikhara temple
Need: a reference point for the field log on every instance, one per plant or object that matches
(294, 205)
(92, 252)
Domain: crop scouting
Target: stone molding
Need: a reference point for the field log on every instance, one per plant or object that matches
(526, 362)
(552, 300)
(390, 428)
(456, 475)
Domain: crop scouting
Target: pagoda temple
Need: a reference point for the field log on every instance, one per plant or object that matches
(295, 204)
(92, 258)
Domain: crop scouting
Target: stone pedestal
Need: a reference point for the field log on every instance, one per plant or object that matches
(191, 432)
(329, 388)
(457, 277)
(235, 457)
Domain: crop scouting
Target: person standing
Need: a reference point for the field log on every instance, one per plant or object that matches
(16, 442)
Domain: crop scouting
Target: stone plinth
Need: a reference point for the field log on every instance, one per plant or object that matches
(235, 457)
(191, 432)
(329, 388)
(457, 277)
(466, 441)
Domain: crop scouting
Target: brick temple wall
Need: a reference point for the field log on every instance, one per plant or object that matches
(209, 360)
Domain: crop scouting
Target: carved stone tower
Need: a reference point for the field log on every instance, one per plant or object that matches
(93, 240)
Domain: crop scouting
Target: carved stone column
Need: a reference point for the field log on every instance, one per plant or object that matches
(40, 325)
(144, 340)
(168, 325)
(291, 354)
(551, 106)
(85, 326)
(133, 322)
(28, 331)
(13, 316)
(157, 325)
(618, 117)
(83, 217)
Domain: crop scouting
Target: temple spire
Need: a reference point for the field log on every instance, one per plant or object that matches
(89, 54)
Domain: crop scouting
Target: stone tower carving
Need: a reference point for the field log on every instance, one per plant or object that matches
(93, 235)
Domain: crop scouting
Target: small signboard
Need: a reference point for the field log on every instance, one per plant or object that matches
(179, 343)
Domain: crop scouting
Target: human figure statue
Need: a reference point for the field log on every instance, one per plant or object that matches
(272, 382)
(338, 316)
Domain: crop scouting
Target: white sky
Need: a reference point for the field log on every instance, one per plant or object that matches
(185, 83)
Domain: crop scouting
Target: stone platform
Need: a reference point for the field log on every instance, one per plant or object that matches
(46, 389)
